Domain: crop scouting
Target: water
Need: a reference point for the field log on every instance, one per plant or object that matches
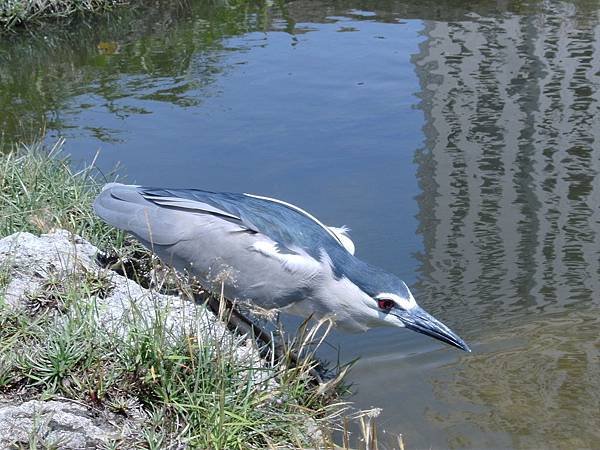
(460, 141)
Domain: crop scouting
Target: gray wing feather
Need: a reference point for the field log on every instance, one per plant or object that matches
(123, 207)
(287, 225)
(191, 205)
(171, 212)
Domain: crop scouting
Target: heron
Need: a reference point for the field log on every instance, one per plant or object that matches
(270, 253)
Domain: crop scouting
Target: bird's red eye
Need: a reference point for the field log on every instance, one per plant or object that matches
(385, 303)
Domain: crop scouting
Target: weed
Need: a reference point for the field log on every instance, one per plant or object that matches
(60, 289)
(14, 13)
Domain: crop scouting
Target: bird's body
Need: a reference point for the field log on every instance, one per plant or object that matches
(265, 251)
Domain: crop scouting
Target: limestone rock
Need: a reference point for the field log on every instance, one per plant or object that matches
(31, 260)
(53, 424)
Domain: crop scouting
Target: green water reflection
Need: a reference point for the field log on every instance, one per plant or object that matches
(143, 52)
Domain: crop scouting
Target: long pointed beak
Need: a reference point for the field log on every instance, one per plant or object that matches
(417, 319)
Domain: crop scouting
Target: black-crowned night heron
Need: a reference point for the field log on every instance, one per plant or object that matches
(275, 255)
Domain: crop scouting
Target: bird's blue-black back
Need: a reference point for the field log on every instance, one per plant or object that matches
(290, 229)
(284, 225)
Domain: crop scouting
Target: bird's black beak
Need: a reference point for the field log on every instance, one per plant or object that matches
(417, 319)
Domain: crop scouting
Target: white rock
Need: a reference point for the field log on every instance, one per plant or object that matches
(55, 424)
(31, 259)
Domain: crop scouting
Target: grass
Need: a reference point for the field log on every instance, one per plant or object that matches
(15, 13)
(188, 389)
(39, 192)
(176, 387)
(4, 278)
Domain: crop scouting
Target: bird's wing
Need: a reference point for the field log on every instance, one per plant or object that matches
(290, 227)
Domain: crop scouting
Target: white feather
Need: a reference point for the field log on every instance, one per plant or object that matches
(342, 235)
(294, 262)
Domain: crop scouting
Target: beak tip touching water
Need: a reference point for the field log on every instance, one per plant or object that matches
(465, 347)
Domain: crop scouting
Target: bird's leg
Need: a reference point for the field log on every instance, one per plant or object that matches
(240, 324)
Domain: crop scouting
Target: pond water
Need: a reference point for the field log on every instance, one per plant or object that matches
(460, 141)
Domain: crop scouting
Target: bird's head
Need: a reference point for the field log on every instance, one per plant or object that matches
(389, 302)
(401, 310)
